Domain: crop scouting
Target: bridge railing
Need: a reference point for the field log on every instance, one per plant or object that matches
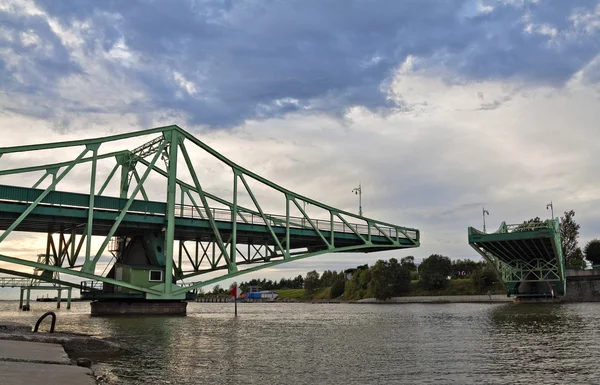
(522, 227)
(529, 226)
(15, 282)
(91, 286)
(113, 204)
(226, 215)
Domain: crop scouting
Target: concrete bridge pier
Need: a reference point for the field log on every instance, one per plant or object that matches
(139, 307)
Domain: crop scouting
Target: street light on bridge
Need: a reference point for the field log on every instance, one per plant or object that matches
(551, 206)
(485, 212)
(358, 191)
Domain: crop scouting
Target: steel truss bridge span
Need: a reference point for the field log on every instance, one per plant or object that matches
(527, 257)
(158, 245)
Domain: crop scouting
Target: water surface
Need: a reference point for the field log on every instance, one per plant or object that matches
(291, 343)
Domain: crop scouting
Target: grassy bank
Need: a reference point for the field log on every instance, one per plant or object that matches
(301, 295)
(456, 287)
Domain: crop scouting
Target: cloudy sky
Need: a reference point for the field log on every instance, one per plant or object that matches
(436, 107)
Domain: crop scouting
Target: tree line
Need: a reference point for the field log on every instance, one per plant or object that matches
(569, 239)
(386, 279)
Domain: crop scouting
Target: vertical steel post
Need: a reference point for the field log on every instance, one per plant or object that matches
(21, 299)
(48, 245)
(73, 238)
(233, 252)
(90, 219)
(180, 265)
(331, 229)
(58, 298)
(69, 298)
(61, 237)
(181, 202)
(287, 223)
(173, 136)
(125, 167)
(27, 298)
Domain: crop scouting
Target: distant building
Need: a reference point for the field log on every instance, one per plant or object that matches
(262, 295)
(253, 289)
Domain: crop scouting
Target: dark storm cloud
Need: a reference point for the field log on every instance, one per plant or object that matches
(262, 59)
(32, 57)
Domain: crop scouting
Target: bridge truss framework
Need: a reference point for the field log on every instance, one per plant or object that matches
(199, 232)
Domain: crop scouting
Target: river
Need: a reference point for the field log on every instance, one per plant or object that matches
(297, 343)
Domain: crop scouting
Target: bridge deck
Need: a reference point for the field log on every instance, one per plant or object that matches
(69, 211)
(526, 246)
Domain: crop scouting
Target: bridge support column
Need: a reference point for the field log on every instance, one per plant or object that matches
(69, 298)
(21, 299)
(27, 298)
(58, 298)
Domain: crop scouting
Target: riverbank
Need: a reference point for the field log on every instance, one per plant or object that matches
(498, 298)
(35, 363)
(59, 354)
(456, 288)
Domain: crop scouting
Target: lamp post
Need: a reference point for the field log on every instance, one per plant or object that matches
(304, 208)
(358, 191)
(485, 212)
(551, 206)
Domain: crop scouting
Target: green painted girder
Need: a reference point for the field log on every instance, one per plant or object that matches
(285, 238)
(524, 253)
(61, 210)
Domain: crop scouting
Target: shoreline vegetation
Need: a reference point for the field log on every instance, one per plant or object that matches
(458, 287)
(436, 276)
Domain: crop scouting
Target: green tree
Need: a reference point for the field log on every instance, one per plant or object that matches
(529, 225)
(364, 279)
(434, 271)
(338, 287)
(381, 284)
(400, 277)
(350, 289)
(216, 289)
(298, 282)
(483, 278)
(409, 263)
(592, 251)
(311, 283)
(569, 232)
(463, 268)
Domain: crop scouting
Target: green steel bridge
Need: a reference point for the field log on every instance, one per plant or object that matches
(527, 257)
(156, 229)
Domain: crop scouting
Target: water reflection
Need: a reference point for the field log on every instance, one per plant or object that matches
(350, 344)
(533, 318)
(542, 340)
